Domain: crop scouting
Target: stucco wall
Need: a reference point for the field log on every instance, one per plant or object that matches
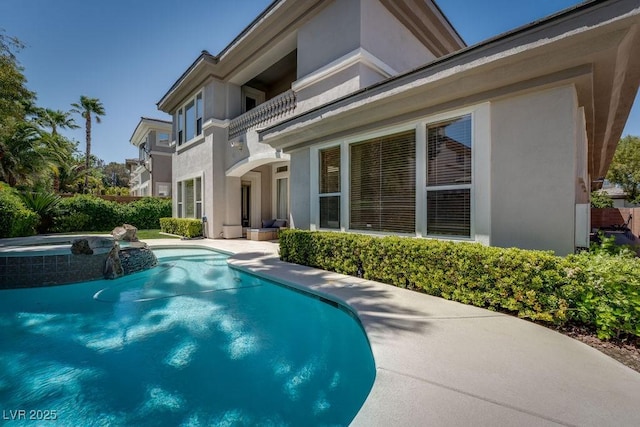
(389, 40)
(533, 171)
(299, 186)
(340, 84)
(332, 33)
(161, 170)
(191, 162)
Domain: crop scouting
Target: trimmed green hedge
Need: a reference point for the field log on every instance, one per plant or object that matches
(90, 213)
(187, 227)
(16, 220)
(145, 213)
(87, 213)
(530, 284)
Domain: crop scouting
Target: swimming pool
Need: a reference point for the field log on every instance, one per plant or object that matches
(191, 342)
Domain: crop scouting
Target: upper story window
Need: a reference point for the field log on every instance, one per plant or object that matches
(162, 139)
(143, 150)
(189, 119)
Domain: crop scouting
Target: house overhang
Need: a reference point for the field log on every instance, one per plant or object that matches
(594, 46)
(144, 126)
(272, 32)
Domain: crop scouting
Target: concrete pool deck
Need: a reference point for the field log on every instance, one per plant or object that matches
(439, 362)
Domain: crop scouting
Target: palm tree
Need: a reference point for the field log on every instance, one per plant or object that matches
(22, 158)
(86, 107)
(55, 119)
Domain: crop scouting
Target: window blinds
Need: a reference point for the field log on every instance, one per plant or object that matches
(449, 178)
(382, 184)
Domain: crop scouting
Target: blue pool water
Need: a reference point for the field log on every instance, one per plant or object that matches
(191, 342)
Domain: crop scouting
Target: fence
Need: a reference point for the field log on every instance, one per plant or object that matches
(606, 217)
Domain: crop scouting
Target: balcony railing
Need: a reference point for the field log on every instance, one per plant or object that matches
(264, 113)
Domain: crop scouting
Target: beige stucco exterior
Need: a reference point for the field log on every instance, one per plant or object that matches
(548, 103)
(318, 51)
(152, 173)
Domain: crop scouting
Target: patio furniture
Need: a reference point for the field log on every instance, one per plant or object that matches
(269, 230)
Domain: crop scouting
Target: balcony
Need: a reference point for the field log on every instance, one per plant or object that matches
(270, 111)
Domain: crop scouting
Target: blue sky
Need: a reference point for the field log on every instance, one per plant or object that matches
(128, 53)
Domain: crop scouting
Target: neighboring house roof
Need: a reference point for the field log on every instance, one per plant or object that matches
(145, 125)
(593, 45)
(273, 34)
(614, 192)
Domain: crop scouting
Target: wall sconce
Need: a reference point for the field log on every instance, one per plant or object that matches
(236, 144)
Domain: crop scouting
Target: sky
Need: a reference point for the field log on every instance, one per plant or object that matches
(128, 53)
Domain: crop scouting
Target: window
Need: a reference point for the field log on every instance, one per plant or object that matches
(162, 139)
(281, 192)
(189, 119)
(330, 188)
(449, 172)
(180, 204)
(383, 184)
(163, 189)
(180, 127)
(282, 203)
(190, 198)
(199, 112)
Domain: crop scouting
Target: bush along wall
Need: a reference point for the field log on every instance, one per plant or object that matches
(186, 227)
(90, 213)
(600, 291)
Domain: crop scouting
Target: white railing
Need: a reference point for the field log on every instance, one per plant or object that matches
(266, 112)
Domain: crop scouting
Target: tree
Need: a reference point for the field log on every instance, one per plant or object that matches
(23, 160)
(625, 167)
(116, 175)
(15, 99)
(55, 119)
(86, 108)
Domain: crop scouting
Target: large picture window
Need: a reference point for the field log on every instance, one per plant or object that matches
(449, 175)
(330, 188)
(383, 184)
(189, 119)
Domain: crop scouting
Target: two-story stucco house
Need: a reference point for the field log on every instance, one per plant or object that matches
(151, 174)
(373, 116)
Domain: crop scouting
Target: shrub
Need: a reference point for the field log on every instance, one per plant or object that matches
(609, 298)
(599, 290)
(187, 227)
(522, 282)
(145, 213)
(16, 219)
(43, 204)
(600, 199)
(87, 213)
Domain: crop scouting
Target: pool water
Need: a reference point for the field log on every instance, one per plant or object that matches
(191, 342)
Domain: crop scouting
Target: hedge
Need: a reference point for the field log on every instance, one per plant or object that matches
(90, 213)
(610, 296)
(16, 220)
(187, 227)
(145, 213)
(599, 291)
